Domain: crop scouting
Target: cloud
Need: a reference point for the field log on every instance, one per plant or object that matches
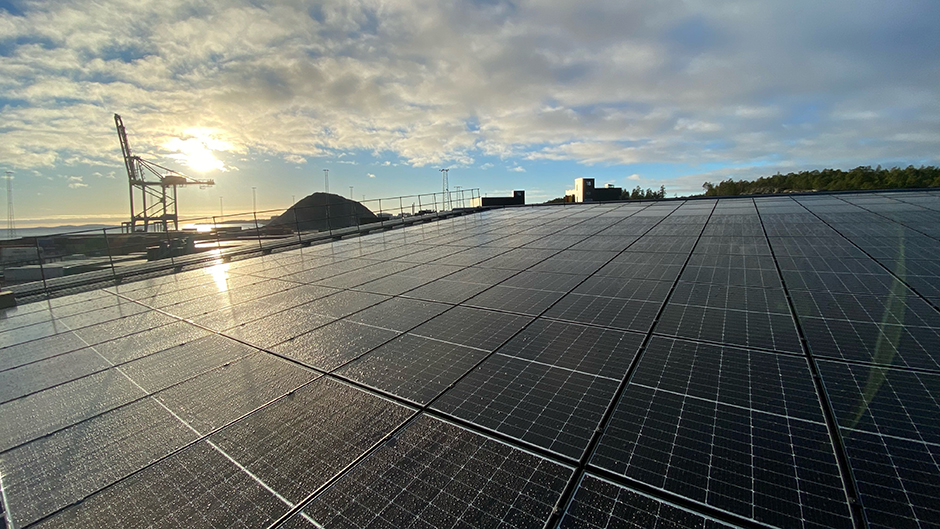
(75, 182)
(588, 82)
(486, 166)
(634, 177)
(370, 175)
(517, 169)
(295, 159)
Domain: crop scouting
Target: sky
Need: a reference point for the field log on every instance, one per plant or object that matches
(505, 94)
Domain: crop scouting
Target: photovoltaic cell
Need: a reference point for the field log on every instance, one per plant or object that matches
(447, 291)
(579, 348)
(335, 344)
(176, 492)
(878, 343)
(434, 474)
(697, 438)
(617, 313)
(399, 314)
(412, 367)
(472, 327)
(216, 398)
(36, 350)
(601, 504)
(543, 281)
(734, 327)
(898, 307)
(37, 376)
(42, 413)
(278, 327)
(638, 289)
(884, 401)
(547, 406)
(888, 422)
(298, 443)
(171, 366)
(898, 479)
(85, 457)
(527, 301)
(736, 270)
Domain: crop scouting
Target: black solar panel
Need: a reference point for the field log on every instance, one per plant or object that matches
(748, 438)
(600, 504)
(435, 474)
(767, 362)
(414, 368)
(548, 406)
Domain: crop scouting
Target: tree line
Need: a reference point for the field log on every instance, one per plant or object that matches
(637, 193)
(862, 177)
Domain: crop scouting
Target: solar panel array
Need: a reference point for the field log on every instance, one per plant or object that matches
(735, 362)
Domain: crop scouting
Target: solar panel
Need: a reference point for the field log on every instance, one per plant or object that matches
(733, 362)
(414, 368)
(749, 438)
(599, 504)
(547, 406)
(435, 474)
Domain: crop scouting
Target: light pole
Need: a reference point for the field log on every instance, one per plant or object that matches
(326, 180)
(444, 187)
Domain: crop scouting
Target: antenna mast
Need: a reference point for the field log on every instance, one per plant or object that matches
(444, 186)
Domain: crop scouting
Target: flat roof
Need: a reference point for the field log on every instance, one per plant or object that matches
(728, 362)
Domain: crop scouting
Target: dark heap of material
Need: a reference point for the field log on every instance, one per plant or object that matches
(324, 211)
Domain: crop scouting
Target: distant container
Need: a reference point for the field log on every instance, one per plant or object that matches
(18, 254)
(517, 199)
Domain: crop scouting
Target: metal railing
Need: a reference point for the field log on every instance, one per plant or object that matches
(45, 265)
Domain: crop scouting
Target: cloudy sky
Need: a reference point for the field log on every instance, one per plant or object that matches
(507, 94)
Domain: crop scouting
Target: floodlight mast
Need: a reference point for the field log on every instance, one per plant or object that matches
(160, 193)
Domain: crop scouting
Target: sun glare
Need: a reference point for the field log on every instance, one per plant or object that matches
(203, 161)
(196, 152)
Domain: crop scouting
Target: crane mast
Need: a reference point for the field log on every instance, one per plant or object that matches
(156, 186)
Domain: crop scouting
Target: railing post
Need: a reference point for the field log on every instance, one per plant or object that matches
(110, 258)
(419, 203)
(300, 239)
(329, 225)
(257, 230)
(401, 210)
(381, 219)
(218, 236)
(42, 270)
(169, 245)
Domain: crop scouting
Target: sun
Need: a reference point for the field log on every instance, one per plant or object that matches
(203, 160)
(196, 152)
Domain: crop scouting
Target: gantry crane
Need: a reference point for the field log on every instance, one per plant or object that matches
(158, 197)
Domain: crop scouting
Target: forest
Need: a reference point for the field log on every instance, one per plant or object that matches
(636, 193)
(862, 177)
(639, 194)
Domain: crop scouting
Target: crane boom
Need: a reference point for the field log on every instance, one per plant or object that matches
(161, 209)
